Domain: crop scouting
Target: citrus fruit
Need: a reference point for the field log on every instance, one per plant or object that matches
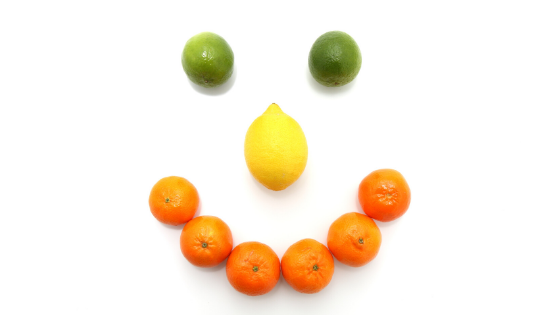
(173, 200)
(275, 149)
(206, 241)
(335, 59)
(307, 266)
(207, 59)
(354, 239)
(384, 195)
(253, 268)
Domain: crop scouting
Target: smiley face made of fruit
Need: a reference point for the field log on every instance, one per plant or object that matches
(276, 155)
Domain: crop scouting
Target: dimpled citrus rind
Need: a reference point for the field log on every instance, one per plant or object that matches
(207, 60)
(335, 59)
(275, 149)
(253, 268)
(307, 266)
(354, 239)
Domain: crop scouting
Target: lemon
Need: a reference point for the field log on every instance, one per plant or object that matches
(275, 149)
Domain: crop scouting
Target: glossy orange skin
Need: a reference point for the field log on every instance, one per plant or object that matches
(173, 200)
(354, 239)
(206, 241)
(308, 266)
(384, 195)
(253, 268)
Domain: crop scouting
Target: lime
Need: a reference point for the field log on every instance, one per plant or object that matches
(207, 59)
(335, 59)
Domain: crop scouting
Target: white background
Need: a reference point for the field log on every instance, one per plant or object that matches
(460, 96)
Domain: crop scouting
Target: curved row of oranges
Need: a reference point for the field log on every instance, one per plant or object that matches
(254, 268)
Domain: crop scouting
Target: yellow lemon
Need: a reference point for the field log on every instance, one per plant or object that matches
(275, 149)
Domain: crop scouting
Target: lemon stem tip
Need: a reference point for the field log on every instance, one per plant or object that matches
(273, 109)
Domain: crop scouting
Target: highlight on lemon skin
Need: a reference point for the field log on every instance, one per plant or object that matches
(275, 149)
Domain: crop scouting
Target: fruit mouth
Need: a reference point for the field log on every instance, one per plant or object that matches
(204, 245)
(255, 268)
(315, 267)
(361, 240)
(167, 200)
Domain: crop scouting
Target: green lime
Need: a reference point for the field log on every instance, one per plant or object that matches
(335, 59)
(207, 59)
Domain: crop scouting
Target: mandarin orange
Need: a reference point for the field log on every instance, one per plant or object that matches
(354, 239)
(173, 200)
(206, 241)
(307, 266)
(253, 268)
(384, 195)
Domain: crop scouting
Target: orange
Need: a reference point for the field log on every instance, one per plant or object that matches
(206, 241)
(253, 268)
(354, 239)
(384, 195)
(308, 266)
(173, 200)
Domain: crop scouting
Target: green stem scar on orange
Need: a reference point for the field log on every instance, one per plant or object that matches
(204, 245)
(315, 267)
(255, 268)
(167, 200)
(361, 240)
